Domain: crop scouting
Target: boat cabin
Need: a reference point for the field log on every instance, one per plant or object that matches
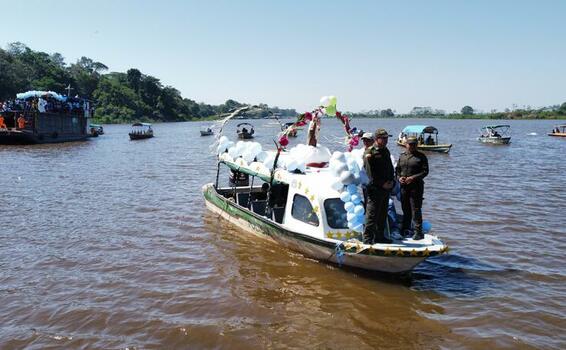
(141, 131)
(245, 131)
(495, 134)
(558, 130)
(298, 202)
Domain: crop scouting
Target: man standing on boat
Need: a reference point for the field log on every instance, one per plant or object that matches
(411, 169)
(379, 168)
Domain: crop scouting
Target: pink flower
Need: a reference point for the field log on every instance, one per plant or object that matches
(301, 123)
(283, 140)
(308, 116)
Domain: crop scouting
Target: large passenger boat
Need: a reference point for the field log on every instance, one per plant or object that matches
(44, 117)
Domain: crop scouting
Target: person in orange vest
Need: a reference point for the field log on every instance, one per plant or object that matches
(2, 123)
(21, 122)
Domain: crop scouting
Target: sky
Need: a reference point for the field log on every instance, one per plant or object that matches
(288, 53)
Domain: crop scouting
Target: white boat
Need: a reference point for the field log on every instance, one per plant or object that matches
(427, 137)
(206, 131)
(495, 134)
(302, 211)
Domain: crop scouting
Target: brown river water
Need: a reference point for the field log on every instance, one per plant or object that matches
(106, 244)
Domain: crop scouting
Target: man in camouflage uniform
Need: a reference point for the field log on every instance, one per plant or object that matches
(378, 166)
(411, 169)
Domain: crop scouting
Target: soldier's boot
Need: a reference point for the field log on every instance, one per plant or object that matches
(380, 238)
(418, 234)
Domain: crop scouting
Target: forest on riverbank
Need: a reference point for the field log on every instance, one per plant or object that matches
(122, 97)
(119, 97)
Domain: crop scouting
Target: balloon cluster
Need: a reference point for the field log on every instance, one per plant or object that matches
(243, 153)
(35, 93)
(347, 169)
(250, 154)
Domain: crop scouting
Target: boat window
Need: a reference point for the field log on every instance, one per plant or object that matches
(302, 210)
(335, 213)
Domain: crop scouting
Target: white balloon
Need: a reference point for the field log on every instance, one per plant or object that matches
(349, 206)
(350, 216)
(261, 156)
(345, 196)
(325, 101)
(359, 210)
(356, 199)
(346, 177)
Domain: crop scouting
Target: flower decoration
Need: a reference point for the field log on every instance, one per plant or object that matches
(327, 107)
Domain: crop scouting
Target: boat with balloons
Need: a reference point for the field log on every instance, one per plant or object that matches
(309, 199)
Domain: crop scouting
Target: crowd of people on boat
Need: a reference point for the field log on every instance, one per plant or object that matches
(47, 104)
(409, 171)
(429, 141)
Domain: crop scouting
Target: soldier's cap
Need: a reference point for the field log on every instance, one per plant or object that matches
(411, 139)
(379, 133)
(367, 135)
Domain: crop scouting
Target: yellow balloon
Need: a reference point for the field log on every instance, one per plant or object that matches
(331, 110)
(332, 100)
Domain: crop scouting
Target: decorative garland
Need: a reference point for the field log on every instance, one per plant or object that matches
(327, 107)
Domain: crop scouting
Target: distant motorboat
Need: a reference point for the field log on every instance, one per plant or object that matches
(206, 131)
(558, 131)
(495, 134)
(245, 131)
(425, 143)
(141, 131)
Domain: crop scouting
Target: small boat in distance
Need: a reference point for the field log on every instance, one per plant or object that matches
(206, 131)
(245, 131)
(141, 131)
(558, 131)
(95, 130)
(495, 134)
(424, 135)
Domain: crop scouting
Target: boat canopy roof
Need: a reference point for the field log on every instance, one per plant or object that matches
(496, 126)
(35, 93)
(95, 125)
(142, 124)
(419, 129)
(244, 124)
(561, 126)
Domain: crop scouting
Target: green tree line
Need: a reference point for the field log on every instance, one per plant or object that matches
(119, 97)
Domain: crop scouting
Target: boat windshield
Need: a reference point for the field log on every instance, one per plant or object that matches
(335, 213)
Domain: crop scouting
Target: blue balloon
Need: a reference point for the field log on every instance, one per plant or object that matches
(427, 226)
(352, 189)
(345, 196)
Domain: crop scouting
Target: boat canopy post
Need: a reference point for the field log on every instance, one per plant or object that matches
(217, 175)
(250, 193)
